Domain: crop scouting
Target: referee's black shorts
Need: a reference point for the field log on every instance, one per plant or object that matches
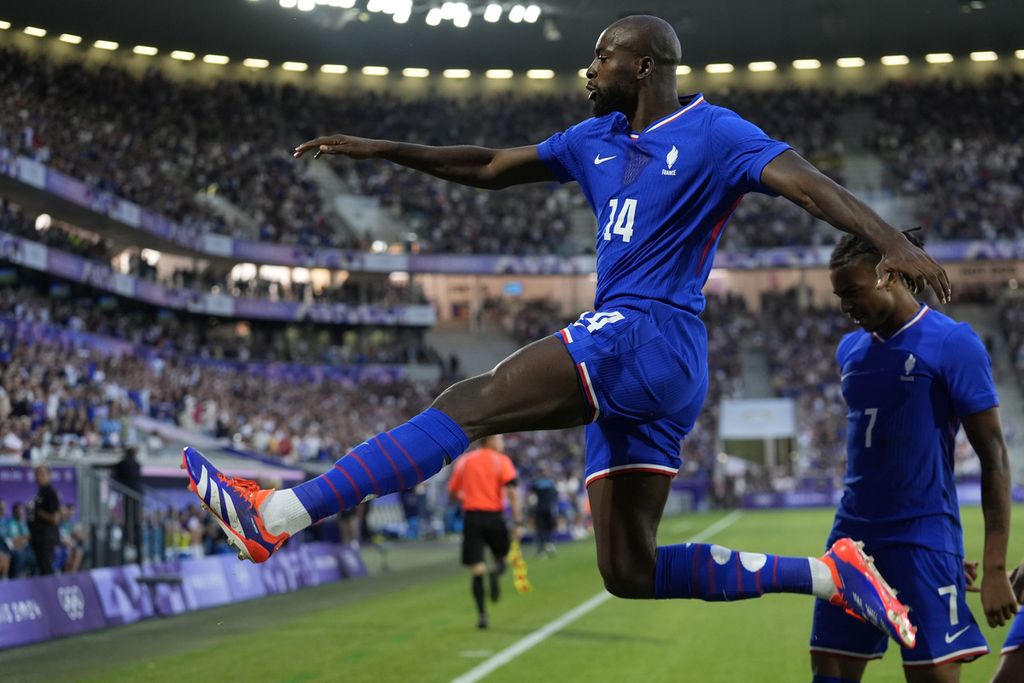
(480, 530)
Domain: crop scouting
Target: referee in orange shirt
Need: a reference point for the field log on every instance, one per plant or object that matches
(479, 481)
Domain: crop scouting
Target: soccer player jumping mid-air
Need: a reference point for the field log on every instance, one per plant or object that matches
(910, 377)
(662, 174)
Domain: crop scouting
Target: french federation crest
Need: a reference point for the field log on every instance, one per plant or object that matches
(670, 161)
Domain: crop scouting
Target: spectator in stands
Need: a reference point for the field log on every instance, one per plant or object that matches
(44, 534)
(545, 509)
(16, 532)
(6, 549)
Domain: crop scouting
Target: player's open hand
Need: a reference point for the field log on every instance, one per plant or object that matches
(997, 598)
(347, 145)
(902, 257)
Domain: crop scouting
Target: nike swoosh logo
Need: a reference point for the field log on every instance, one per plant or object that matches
(598, 160)
(951, 638)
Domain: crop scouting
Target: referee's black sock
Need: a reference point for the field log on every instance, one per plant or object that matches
(478, 594)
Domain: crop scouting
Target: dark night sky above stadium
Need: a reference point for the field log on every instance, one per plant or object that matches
(711, 30)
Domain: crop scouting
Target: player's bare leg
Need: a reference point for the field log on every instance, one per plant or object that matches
(842, 668)
(1011, 668)
(943, 673)
(626, 511)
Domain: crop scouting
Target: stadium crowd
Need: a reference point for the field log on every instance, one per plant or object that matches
(168, 146)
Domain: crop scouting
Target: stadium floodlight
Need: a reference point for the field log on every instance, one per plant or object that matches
(504, 74)
(35, 31)
(4, 25)
(294, 66)
(762, 66)
(850, 62)
(346, 4)
(334, 69)
(1019, 54)
(532, 14)
(402, 15)
(493, 13)
(433, 16)
(375, 6)
(456, 73)
(105, 45)
(183, 55)
(582, 73)
(145, 50)
(462, 20)
(305, 5)
(517, 14)
(984, 56)
(288, 4)
(70, 38)
(375, 71)
(256, 63)
(895, 60)
(683, 70)
(415, 72)
(43, 222)
(806, 64)
(540, 74)
(938, 58)
(216, 59)
(722, 68)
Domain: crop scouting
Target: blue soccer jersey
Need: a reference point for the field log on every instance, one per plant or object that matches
(906, 396)
(661, 196)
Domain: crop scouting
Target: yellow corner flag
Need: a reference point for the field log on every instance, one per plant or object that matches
(519, 578)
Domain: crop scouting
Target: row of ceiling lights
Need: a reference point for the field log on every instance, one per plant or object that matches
(459, 13)
(682, 70)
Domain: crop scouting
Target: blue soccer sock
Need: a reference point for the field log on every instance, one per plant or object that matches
(391, 461)
(711, 572)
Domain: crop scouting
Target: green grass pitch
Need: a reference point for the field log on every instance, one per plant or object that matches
(416, 625)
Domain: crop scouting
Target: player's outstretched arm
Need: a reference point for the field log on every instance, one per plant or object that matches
(985, 433)
(794, 178)
(491, 169)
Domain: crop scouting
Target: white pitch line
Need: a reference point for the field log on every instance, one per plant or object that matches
(543, 633)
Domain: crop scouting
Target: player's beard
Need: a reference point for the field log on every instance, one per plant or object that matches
(613, 98)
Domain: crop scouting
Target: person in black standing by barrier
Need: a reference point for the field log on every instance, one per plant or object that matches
(43, 527)
(128, 473)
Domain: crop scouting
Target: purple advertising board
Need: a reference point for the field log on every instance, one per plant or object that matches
(123, 599)
(18, 484)
(204, 583)
(352, 564)
(70, 604)
(243, 578)
(169, 597)
(323, 561)
(22, 618)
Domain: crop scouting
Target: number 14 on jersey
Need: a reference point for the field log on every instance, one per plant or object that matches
(620, 221)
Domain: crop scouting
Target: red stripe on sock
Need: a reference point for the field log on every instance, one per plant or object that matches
(775, 573)
(359, 494)
(341, 500)
(373, 479)
(757, 582)
(711, 574)
(419, 473)
(398, 473)
(739, 575)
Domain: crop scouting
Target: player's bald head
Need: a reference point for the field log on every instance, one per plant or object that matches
(647, 36)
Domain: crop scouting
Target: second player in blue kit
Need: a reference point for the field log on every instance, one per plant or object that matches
(910, 377)
(662, 174)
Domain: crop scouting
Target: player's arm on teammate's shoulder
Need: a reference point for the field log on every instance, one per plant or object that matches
(482, 167)
(793, 177)
(985, 433)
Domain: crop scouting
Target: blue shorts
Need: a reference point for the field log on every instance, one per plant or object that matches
(643, 370)
(931, 583)
(1015, 638)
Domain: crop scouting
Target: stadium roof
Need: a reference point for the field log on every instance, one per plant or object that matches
(561, 39)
